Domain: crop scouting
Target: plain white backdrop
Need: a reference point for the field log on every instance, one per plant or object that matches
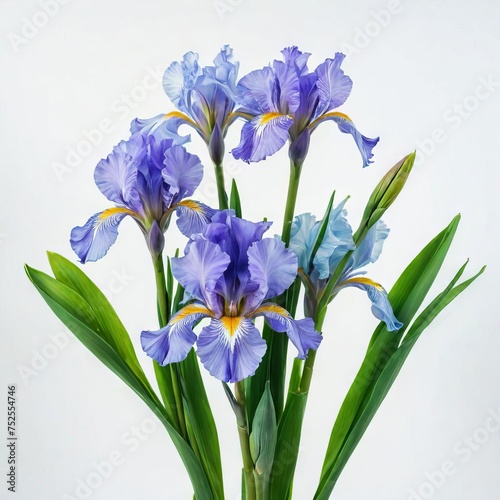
(426, 77)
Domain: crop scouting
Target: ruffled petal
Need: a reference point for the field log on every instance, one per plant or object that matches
(183, 171)
(303, 238)
(93, 240)
(294, 57)
(333, 85)
(179, 78)
(116, 175)
(257, 91)
(164, 126)
(337, 241)
(172, 343)
(199, 270)
(272, 266)
(370, 248)
(263, 136)
(300, 332)
(224, 72)
(381, 307)
(365, 144)
(231, 348)
(193, 217)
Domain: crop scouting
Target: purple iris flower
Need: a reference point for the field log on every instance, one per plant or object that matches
(230, 274)
(287, 102)
(315, 271)
(147, 179)
(204, 97)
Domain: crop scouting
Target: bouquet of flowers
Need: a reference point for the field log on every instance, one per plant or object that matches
(233, 271)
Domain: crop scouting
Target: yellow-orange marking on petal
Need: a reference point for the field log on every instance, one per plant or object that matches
(363, 281)
(231, 324)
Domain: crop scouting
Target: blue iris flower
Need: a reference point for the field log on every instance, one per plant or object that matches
(287, 102)
(148, 179)
(338, 240)
(205, 99)
(230, 274)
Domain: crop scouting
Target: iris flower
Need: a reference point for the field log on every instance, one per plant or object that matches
(287, 102)
(148, 180)
(230, 274)
(204, 97)
(336, 243)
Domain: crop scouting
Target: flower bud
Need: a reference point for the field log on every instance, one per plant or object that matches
(299, 148)
(216, 147)
(155, 240)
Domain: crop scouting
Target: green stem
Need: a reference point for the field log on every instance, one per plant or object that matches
(248, 465)
(291, 199)
(163, 317)
(221, 188)
(307, 372)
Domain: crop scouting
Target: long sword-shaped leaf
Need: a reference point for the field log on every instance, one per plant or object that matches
(387, 378)
(406, 297)
(71, 309)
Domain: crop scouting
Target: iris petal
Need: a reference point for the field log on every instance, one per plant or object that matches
(257, 91)
(231, 349)
(365, 144)
(272, 266)
(370, 248)
(162, 127)
(303, 238)
(333, 85)
(262, 136)
(93, 240)
(172, 343)
(300, 332)
(193, 216)
(381, 307)
(179, 78)
(199, 270)
(183, 171)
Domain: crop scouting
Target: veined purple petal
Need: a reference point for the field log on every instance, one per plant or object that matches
(365, 144)
(272, 266)
(333, 85)
(199, 270)
(288, 81)
(231, 348)
(193, 217)
(224, 72)
(381, 307)
(179, 78)
(183, 171)
(257, 91)
(263, 136)
(294, 57)
(116, 179)
(300, 332)
(93, 240)
(164, 126)
(172, 343)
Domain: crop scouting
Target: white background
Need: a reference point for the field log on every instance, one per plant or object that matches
(413, 68)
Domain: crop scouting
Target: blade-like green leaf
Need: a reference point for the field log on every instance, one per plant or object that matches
(109, 324)
(234, 199)
(201, 422)
(71, 311)
(322, 229)
(387, 378)
(287, 446)
(406, 297)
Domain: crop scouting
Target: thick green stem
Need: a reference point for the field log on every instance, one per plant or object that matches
(291, 199)
(248, 465)
(163, 317)
(221, 188)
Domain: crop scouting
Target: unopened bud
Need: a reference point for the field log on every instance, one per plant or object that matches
(216, 147)
(299, 148)
(155, 240)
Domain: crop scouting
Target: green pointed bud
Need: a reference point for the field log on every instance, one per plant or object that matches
(264, 435)
(385, 193)
(234, 199)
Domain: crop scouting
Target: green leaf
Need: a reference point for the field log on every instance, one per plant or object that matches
(73, 311)
(106, 322)
(387, 378)
(264, 435)
(201, 422)
(234, 199)
(287, 446)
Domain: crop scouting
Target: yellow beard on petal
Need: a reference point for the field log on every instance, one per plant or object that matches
(231, 324)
